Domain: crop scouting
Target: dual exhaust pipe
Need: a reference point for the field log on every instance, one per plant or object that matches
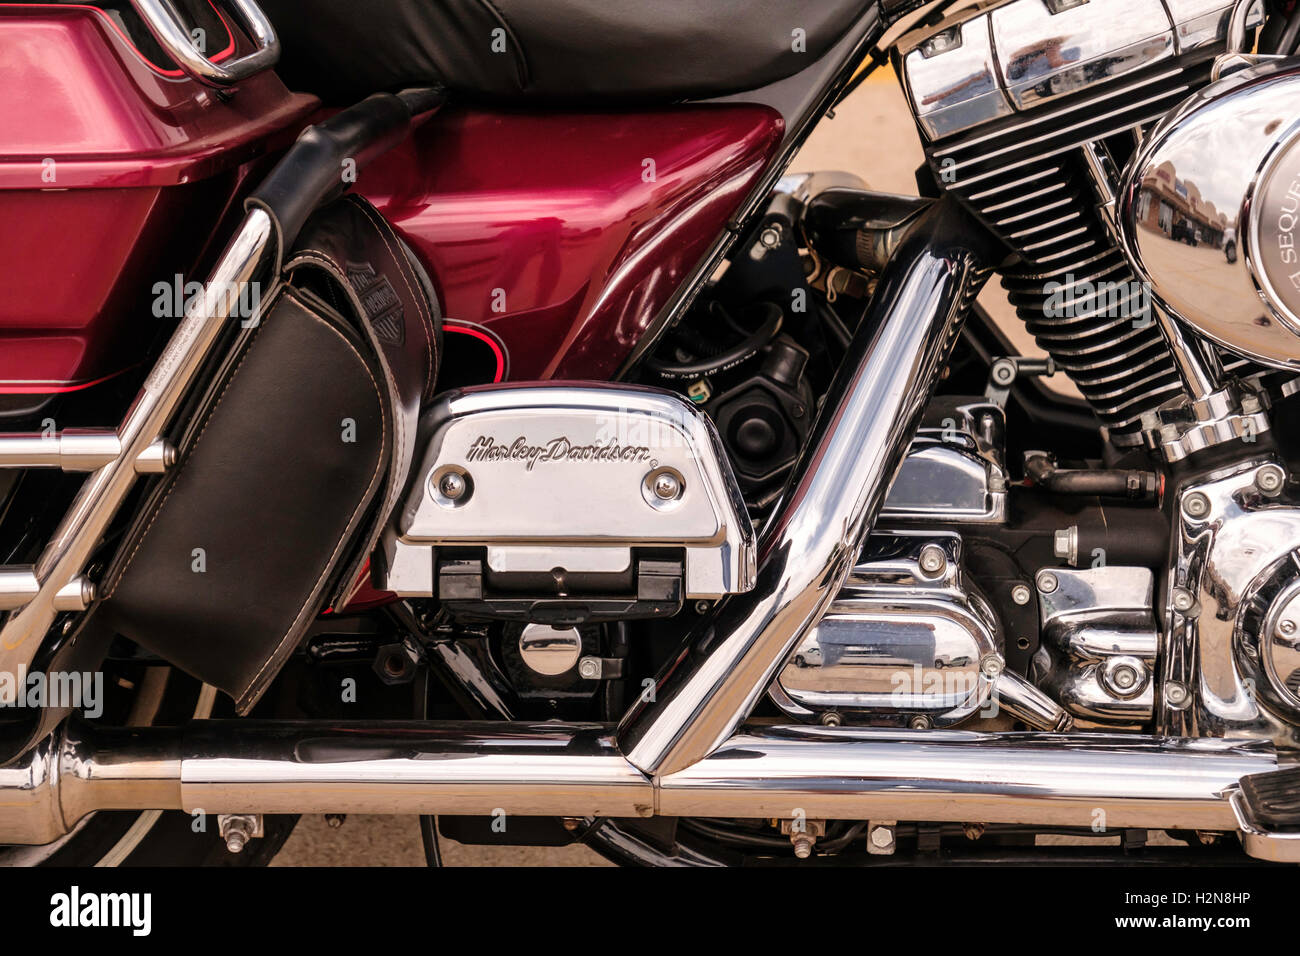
(245, 766)
(684, 753)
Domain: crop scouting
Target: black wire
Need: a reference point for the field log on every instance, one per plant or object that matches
(730, 358)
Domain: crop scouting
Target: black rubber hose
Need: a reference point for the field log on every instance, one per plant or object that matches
(311, 172)
(1108, 483)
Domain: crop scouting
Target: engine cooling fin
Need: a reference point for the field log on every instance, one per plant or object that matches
(1025, 178)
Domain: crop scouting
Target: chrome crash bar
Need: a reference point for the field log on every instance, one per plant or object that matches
(46, 587)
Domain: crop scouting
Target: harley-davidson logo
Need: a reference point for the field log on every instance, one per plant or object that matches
(380, 300)
(560, 449)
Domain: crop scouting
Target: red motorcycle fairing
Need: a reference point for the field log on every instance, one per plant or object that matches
(562, 233)
(113, 178)
(566, 233)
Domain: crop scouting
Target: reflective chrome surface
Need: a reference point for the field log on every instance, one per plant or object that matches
(1048, 48)
(897, 643)
(950, 775)
(1279, 638)
(572, 476)
(1099, 644)
(248, 766)
(1234, 553)
(817, 530)
(1259, 842)
(955, 470)
(161, 17)
(550, 650)
(982, 64)
(1209, 211)
(953, 81)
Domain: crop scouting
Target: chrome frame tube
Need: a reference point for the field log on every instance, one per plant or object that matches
(105, 489)
(78, 450)
(818, 528)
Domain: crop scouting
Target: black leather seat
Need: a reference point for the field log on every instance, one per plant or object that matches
(581, 50)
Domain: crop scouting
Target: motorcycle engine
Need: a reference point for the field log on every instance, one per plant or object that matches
(1022, 109)
(1079, 130)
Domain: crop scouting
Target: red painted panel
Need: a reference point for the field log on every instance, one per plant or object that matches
(566, 233)
(113, 177)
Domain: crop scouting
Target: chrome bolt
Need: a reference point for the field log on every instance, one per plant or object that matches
(666, 486)
(238, 828)
(973, 831)
(991, 666)
(803, 845)
(1183, 600)
(831, 719)
(1196, 505)
(452, 485)
(919, 722)
(335, 820)
(880, 841)
(1176, 695)
(1124, 676)
(1065, 545)
(1286, 628)
(1047, 582)
(933, 561)
(1270, 479)
(236, 840)
(589, 668)
(1021, 594)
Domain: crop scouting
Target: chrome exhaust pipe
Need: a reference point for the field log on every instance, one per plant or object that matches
(244, 766)
(819, 527)
(516, 769)
(1100, 782)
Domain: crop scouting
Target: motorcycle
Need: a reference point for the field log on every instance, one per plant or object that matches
(455, 410)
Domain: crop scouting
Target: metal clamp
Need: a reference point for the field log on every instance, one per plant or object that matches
(167, 27)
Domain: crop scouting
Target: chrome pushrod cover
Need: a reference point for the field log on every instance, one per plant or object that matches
(818, 528)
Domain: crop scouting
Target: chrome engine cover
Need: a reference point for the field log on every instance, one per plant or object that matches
(565, 484)
(988, 65)
(908, 642)
(900, 642)
(1100, 642)
(1210, 209)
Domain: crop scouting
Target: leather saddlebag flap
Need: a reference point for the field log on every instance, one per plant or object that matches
(287, 469)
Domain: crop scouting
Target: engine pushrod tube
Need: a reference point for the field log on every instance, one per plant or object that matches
(818, 528)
